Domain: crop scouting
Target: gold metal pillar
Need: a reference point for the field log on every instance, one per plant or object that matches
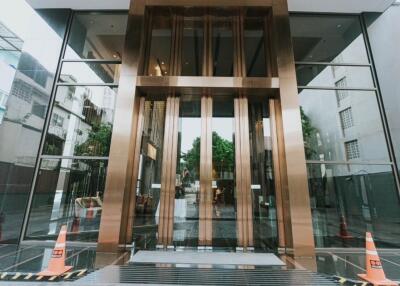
(119, 189)
(297, 212)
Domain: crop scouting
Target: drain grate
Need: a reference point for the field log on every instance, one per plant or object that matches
(151, 274)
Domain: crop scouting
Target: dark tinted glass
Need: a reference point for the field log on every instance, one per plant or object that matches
(334, 76)
(192, 46)
(323, 38)
(73, 72)
(254, 42)
(97, 36)
(160, 44)
(222, 46)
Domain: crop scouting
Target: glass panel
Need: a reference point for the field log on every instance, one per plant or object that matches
(347, 200)
(254, 43)
(332, 119)
(160, 44)
(336, 39)
(334, 76)
(68, 192)
(186, 212)
(222, 46)
(192, 46)
(385, 40)
(26, 82)
(149, 180)
(223, 173)
(89, 73)
(262, 177)
(81, 121)
(97, 36)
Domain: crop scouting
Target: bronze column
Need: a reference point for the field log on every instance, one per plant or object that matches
(297, 213)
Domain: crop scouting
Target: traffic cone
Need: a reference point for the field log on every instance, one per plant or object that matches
(56, 265)
(375, 274)
(344, 234)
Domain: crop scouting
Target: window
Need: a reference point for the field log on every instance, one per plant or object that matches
(341, 94)
(352, 150)
(346, 118)
(57, 120)
(39, 109)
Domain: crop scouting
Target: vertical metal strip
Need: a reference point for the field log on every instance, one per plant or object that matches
(46, 127)
(277, 174)
(135, 170)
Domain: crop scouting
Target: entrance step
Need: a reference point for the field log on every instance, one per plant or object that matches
(210, 258)
(142, 274)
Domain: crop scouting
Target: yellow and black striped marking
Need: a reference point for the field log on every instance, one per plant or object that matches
(19, 276)
(346, 281)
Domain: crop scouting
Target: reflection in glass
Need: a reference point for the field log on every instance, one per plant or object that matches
(160, 44)
(68, 192)
(336, 39)
(334, 76)
(347, 200)
(97, 36)
(81, 121)
(332, 119)
(149, 179)
(254, 44)
(192, 46)
(186, 211)
(29, 54)
(222, 43)
(262, 177)
(73, 72)
(223, 174)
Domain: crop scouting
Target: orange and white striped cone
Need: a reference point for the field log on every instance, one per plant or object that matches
(56, 265)
(375, 273)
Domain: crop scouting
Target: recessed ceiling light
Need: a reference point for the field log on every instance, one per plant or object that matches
(339, 26)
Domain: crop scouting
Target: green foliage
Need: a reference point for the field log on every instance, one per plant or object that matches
(223, 154)
(309, 136)
(98, 142)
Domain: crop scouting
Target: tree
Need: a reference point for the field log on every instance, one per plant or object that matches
(309, 136)
(97, 143)
(223, 155)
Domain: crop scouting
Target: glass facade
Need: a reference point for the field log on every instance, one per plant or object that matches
(58, 92)
(71, 178)
(29, 54)
(348, 162)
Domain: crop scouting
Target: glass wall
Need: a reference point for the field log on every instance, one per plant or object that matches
(262, 177)
(73, 165)
(187, 190)
(147, 211)
(382, 29)
(29, 54)
(223, 173)
(351, 179)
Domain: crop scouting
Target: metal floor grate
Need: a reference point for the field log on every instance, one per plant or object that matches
(150, 274)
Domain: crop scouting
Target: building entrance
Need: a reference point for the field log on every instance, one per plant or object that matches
(206, 173)
(205, 165)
